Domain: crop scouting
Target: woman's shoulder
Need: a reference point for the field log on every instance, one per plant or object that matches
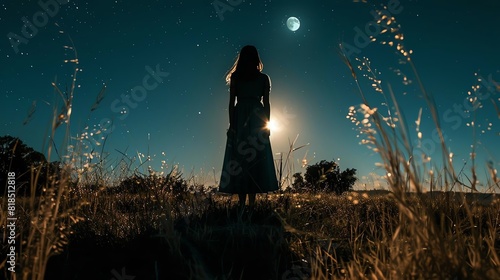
(265, 79)
(264, 76)
(234, 76)
(259, 78)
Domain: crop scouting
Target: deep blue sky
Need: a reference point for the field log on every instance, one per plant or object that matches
(183, 119)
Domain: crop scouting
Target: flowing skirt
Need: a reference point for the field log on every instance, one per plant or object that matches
(248, 165)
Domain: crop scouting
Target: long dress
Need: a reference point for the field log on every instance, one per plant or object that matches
(248, 165)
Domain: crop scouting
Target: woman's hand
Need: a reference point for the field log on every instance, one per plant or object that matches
(230, 131)
(267, 131)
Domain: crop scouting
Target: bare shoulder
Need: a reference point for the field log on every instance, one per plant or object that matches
(265, 78)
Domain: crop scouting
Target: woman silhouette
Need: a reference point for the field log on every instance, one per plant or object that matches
(248, 166)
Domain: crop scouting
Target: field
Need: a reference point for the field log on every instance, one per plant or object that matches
(166, 232)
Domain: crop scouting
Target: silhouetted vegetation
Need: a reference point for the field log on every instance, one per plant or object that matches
(161, 227)
(15, 156)
(325, 176)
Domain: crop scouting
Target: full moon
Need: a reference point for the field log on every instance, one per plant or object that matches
(293, 23)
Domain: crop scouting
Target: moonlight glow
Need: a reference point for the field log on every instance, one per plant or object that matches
(293, 23)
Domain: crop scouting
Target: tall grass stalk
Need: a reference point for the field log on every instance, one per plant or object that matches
(51, 213)
(432, 238)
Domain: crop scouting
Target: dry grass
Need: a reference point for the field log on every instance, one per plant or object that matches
(202, 235)
(322, 236)
(439, 238)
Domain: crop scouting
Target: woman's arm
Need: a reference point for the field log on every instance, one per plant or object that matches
(265, 98)
(232, 99)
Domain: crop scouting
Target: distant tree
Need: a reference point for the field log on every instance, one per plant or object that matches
(298, 181)
(15, 156)
(347, 179)
(326, 176)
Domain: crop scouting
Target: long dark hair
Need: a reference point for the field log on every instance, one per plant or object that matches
(247, 65)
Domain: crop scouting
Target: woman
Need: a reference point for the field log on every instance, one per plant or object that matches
(248, 166)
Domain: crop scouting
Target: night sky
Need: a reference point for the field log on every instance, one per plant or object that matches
(164, 62)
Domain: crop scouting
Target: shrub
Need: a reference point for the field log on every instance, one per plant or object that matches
(326, 176)
(298, 182)
(15, 156)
